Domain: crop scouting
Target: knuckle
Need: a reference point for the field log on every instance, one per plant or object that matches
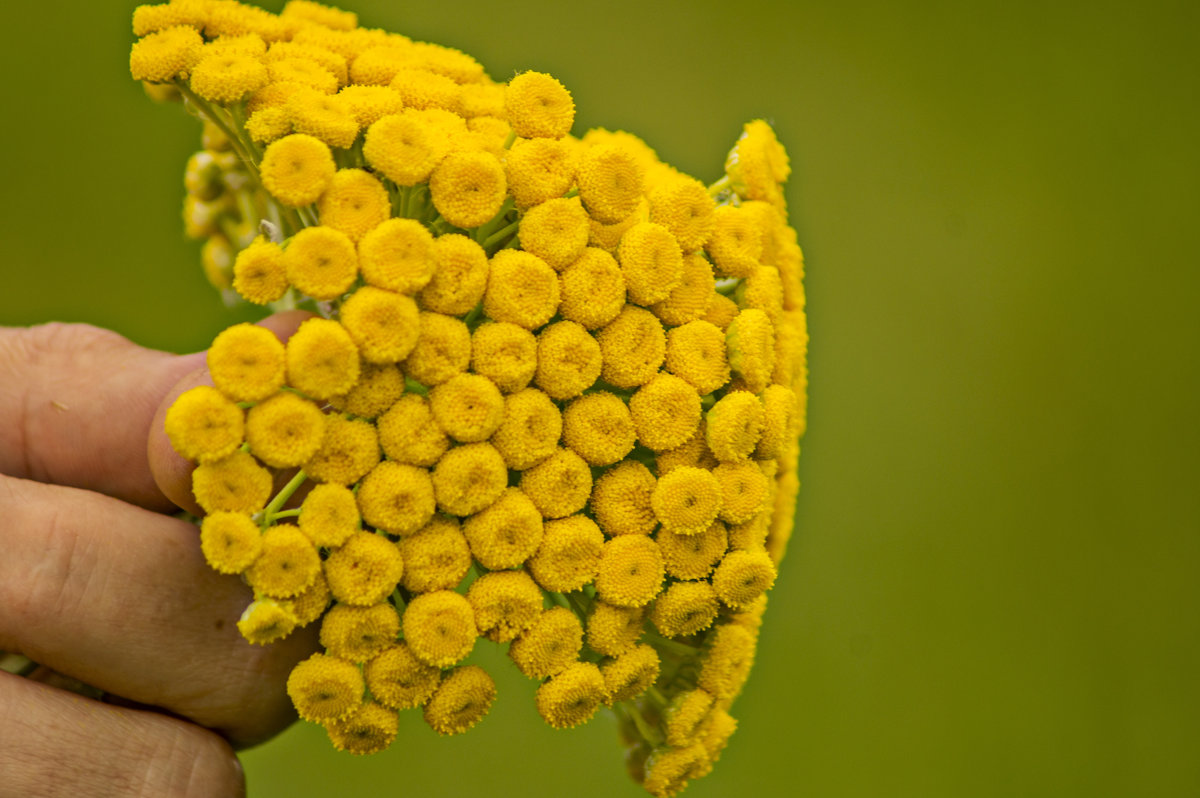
(187, 761)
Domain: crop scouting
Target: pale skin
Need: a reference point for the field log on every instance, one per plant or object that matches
(98, 582)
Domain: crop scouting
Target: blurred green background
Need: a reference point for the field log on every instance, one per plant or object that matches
(993, 586)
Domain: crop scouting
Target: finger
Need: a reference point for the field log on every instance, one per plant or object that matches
(55, 743)
(121, 598)
(172, 473)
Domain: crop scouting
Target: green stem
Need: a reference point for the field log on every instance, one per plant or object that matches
(509, 139)
(675, 647)
(286, 513)
(649, 733)
(721, 185)
(498, 236)
(269, 513)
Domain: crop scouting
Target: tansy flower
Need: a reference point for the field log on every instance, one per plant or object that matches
(693, 556)
(488, 133)
(751, 615)
(668, 770)
(421, 88)
(506, 533)
(384, 324)
(460, 276)
(468, 407)
(399, 680)
(521, 289)
(599, 428)
(482, 100)
(743, 576)
(665, 412)
(752, 535)
(569, 554)
(364, 570)
(734, 425)
(321, 262)
(354, 202)
(325, 688)
(721, 311)
(166, 54)
(369, 104)
(750, 340)
(231, 542)
(779, 413)
(296, 169)
(285, 431)
(469, 478)
(320, 113)
(272, 96)
(359, 633)
(333, 62)
(690, 299)
(684, 716)
(728, 662)
(628, 676)
(236, 19)
(684, 206)
(246, 362)
(762, 290)
(203, 425)
(696, 352)
(397, 255)
(296, 69)
(744, 489)
(265, 621)
(784, 517)
(468, 188)
(633, 346)
(631, 571)
(715, 732)
(152, 18)
(559, 485)
(326, 16)
(404, 147)
(258, 272)
(621, 500)
(227, 78)
(236, 483)
(538, 170)
(687, 500)
(537, 105)
(436, 557)
(571, 697)
(504, 353)
(378, 64)
(608, 236)
(592, 289)
(614, 630)
(758, 164)
(454, 64)
(440, 628)
(396, 498)
(443, 349)
(556, 231)
(269, 124)
(368, 729)
(379, 386)
(550, 645)
(322, 360)
(610, 182)
(692, 452)
(651, 262)
(309, 604)
(530, 429)
(505, 602)
(568, 360)
(287, 564)
(461, 700)
(684, 609)
(736, 242)
(408, 434)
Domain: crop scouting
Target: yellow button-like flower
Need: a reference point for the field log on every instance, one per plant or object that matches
(736, 243)
(608, 236)
(614, 630)
(296, 169)
(729, 660)
(273, 96)
(743, 576)
(538, 170)
(550, 645)
(665, 412)
(287, 564)
(325, 688)
(246, 362)
(408, 433)
(651, 261)
(307, 71)
(379, 386)
(504, 353)
(696, 352)
(633, 346)
(369, 104)
(779, 413)
(631, 571)
(469, 478)
(715, 733)
(383, 323)
(354, 202)
(468, 407)
(153, 18)
(610, 182)
(265, 621)
(317, 112)
(568, 360)
(396, 498)
(322, 359)
(461, 700)
(228, 78)
(369, 729)
(721, 311)
(734, 425)
(693, 556)
(166, 54)
(758, 164)
(436, 557)
(507, 532)
(405, 147)
(684, 609)
(592, 289)
(571, 697)
(752, 535)
(258, 272)
(537, 105)
(421, 88)
(569, 554)
(236, 483)
(460, 276)
(377, 64)
(687, 500)
(321, 262)
(686, 715)
(231, 542)
(690, 299)
(323, 15)
(556, 231)
(763, 290)
(599, 428)
(359, 633)
(506, 603)
(468, 188)
(684, 206)
(397, 255)
(621, 500)
(443, 349)
(692, 452)
(628, 676)
(399, 680)
(559, 485)
(440, 628)
(285, 431)
(521, 289)
(750, 341)
(309, 604)
(203, 425)
(668, 770)
(485, 99)
(365, 570)
(530, 429)
(744, 489)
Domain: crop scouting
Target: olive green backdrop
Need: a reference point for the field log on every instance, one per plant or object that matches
(992, 590)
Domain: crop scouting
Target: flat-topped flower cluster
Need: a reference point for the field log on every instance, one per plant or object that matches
(551, 393)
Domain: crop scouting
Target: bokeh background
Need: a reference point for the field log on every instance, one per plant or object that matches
(993, 586)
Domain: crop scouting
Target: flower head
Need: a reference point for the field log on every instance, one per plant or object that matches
(236, 483)
(259, 274)
(468, 188)
(684, 207)
(349, 450)
(227, 78)
(384, 324)
(538, 170)
(592, 289)
(296, 169)
(354, 202)
(461, 700)
(369, 729)
(460, 276)
(505, 602)
(569, 554)
(684, 609)
(231, 542)
(537, 105)
(408, 433)
(556, 231)
(571, 697)
(322, 359)
(633, 346)
(396, 498)
(631, 571)
(321, 262)
(359, 633)
(689, 300)
(559, 485)
(610, 182)
(529, 430)
(506, 532)
(203, 425)
(397, 679)
(696, 352)
(246, 362)
(469, 478)
(549, 645)
(628, 676)
(404, 147)
(443, 349)
(693, 556)
(165, 54)
(287, 564)
(750, 340)
(621, 500)
(436, 557)
(504, 353)
(599, 428)
(666, 411)
(397, 254)
(266, 620)
(521, 289)
(687, 500)
(440, 628)
(325, 688)
(285, 431)
(568, 360)
(379, 386)
(364, 570)
(743, 576)
(468, 407)
(734, 425)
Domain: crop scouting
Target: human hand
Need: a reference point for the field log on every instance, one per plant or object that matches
(99, 583)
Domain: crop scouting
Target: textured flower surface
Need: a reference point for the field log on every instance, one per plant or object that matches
(551, 395)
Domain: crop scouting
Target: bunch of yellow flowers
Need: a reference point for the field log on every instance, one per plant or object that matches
(551, 393)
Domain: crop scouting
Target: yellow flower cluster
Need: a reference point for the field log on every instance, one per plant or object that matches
(551, 394)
